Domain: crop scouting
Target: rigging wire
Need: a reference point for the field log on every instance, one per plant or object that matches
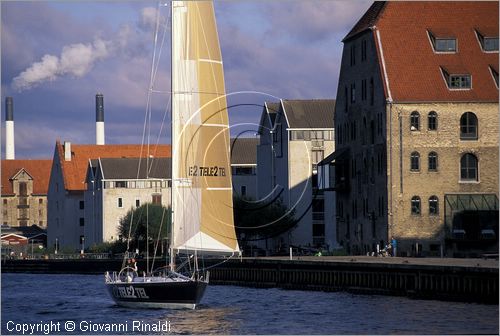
(158, 238)
(154, 73)
(147, 117)
(154, 69)
(215, 265)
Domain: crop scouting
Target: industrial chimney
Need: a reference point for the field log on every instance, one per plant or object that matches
(99, 119)
(9, 129)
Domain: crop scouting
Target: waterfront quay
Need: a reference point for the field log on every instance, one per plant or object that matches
(468, 280)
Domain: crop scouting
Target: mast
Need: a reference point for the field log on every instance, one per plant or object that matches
(171, 238)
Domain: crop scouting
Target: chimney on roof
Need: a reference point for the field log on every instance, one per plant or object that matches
(67, 151)
(9, 129)
(99, 119)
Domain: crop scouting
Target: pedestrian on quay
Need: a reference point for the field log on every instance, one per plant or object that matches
(394, 244)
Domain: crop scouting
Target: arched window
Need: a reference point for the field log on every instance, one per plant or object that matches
(433, 205)
(433, 161)
(468, 167)
(415, 161)
(468, 126)
(432, 122)
(415, 205)
(414, 121)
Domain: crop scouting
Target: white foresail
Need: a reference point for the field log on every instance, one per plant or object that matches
(201, 174)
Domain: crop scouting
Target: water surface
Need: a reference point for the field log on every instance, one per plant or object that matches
(33, 298)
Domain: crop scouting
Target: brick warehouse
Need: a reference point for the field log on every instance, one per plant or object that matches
(416, 125)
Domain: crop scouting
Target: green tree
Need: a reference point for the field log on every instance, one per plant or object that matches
(106, 247)
(151, 218)
(259, 220)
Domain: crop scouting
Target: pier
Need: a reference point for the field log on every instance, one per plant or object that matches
(468, 280)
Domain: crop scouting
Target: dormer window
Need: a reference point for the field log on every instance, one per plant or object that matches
(491, 43)
(443, 44)
(457, 81)
(488, 43)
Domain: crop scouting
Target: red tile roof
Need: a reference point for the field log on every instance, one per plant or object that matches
(367, 21)
(413, 68)
(38, 169)
(74, 171)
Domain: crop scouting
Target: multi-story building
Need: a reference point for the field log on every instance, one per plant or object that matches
(416, 125)
(115, 186)
(24, 183)
(66, 201)
(24, 192)
(244, 167)
(294, 136)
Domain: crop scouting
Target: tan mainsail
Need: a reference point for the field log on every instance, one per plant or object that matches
(202, 189)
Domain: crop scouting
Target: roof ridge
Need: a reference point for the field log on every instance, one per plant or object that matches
(368, 20)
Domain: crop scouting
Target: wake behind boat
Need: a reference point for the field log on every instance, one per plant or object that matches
(202, 203)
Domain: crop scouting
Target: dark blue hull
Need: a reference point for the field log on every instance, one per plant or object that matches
(158, 294)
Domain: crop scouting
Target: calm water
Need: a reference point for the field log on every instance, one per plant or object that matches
(29, 298)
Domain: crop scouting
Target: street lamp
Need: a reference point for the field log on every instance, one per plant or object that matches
(57, 245)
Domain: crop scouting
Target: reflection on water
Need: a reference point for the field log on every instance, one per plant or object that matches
(204, 320)
(238, 310)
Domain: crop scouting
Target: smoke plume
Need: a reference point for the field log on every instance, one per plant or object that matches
(79, 58)
(75, 59)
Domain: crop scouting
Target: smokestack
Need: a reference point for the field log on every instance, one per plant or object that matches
(67, 151)
(99, 119)
(9, 129)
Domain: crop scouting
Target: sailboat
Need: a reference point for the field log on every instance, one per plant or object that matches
(202, 214)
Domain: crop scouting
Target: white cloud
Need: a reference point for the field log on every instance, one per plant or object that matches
(148, 18)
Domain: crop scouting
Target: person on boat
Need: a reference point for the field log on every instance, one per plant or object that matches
(133, 264)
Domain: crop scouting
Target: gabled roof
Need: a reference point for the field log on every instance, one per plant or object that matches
(306, 113)
(314, 113)
(367, 21)
(13, 235)
(26, 231)
(74, 171)
(268, 115)
(272, 110)
(39, 170)
(413, 68)
(127, 168)
(244, 151)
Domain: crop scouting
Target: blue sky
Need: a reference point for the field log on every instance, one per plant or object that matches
(55, 56)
